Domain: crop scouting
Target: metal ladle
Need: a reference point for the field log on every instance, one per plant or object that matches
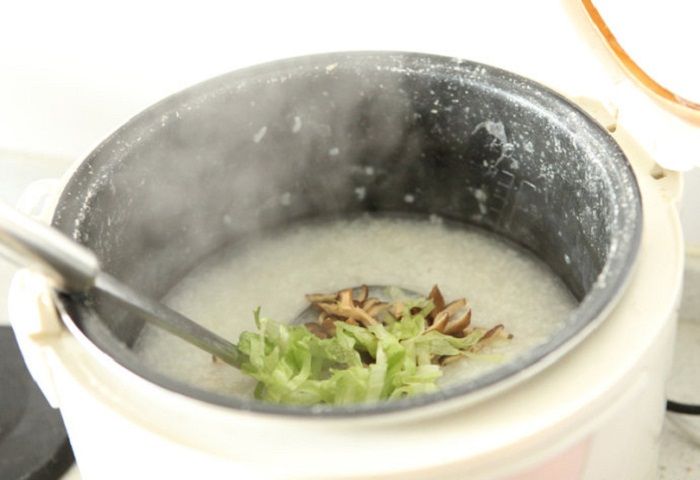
(73, 268)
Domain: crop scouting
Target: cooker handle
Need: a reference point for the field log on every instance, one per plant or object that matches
(25, 241)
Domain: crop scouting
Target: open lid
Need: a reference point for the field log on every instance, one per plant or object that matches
(660, 102)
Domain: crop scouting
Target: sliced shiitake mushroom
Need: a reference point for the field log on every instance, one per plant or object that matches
(329, 325)
(369, 303)
(492, 332)
(316, 329)
(455, 306)
(457, 324)
(376, 310)
(439, 322)
(321, 297)
(453, 318)
(438, 300)
(354, 313)
(396, 309)
(345, 298)
(364, 293)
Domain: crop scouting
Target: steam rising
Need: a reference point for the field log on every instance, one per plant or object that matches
(238, 156)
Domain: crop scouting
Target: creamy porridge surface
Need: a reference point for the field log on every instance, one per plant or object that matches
(503, 284)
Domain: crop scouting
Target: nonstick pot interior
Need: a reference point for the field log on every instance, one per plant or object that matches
(255, 149)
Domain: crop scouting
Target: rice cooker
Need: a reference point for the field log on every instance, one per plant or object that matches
(578, 192)
(600, 212)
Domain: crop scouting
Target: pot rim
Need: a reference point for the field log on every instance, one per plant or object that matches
(588, 315)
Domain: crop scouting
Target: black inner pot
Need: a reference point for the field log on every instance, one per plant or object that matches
(294, 139)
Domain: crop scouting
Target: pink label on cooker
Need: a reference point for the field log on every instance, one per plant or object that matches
(568, 465)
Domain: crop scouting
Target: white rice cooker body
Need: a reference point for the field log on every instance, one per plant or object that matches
(595, 413)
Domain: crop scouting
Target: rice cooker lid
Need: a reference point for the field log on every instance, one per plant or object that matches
(659, 102)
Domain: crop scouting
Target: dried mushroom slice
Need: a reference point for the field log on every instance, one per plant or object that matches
(321, 297)
(345, 298)
(354, 313)
(364, 293)
(376, 310)
(438, 300)
(369, 303)
(317, 329)
(494, 331)
(396, 309)
(455, 306)
(329, 325)
(440, 322)
(355, 307)
(458, 324)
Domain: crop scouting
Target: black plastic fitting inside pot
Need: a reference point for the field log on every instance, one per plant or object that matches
(471, 143)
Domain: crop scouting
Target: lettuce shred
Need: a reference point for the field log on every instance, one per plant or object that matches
(358, 364)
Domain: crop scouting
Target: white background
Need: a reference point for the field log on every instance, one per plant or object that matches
(73, 71)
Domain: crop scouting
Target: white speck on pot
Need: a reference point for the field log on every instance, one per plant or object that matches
(494, 128)
(331, 67)
(528, 147)
(481, 197)
(260, 134)
(409, 198)
(435, 219)
(297, 124)
(567, 259)
(369, 171)
(360, 193)
(433, 111)
(333, 151)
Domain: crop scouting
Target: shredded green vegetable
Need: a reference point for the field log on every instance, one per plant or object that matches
(357, 364)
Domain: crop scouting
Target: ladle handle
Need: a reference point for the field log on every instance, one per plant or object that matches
(73, 268)
(27, 242)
